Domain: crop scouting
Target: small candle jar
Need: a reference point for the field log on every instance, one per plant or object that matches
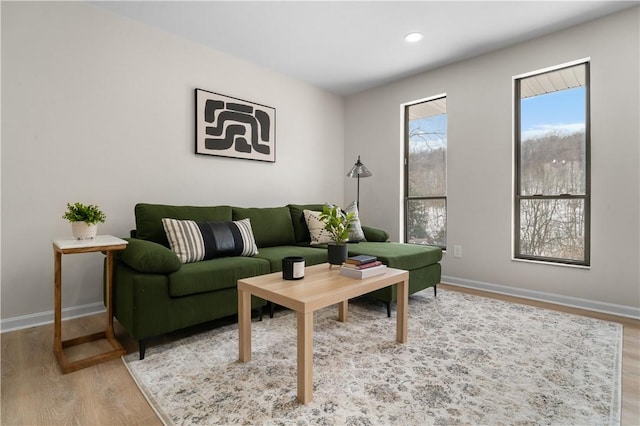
(293, 268)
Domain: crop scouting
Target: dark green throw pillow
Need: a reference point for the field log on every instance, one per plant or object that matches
(300, 228)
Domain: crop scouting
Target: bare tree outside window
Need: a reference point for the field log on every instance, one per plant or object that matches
(552, 166)
(426, 173)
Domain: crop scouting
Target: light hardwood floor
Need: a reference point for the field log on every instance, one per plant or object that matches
(34, 392)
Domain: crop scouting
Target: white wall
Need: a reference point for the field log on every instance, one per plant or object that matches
(100, 109)
(479, 108)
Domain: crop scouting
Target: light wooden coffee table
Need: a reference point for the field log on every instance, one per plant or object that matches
(321, 287)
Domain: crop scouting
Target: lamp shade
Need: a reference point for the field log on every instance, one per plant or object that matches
(359, 170)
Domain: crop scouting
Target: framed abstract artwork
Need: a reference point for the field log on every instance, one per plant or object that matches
(231, 127)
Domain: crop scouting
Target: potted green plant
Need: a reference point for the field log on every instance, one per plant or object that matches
(337, 223)
(84, 219)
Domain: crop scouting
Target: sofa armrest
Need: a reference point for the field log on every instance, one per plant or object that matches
(375, 234)
(148, 257)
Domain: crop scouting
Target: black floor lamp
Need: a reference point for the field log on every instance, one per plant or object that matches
(357, 171)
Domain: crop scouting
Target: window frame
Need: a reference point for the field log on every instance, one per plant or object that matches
(407, 198)
(518, 198)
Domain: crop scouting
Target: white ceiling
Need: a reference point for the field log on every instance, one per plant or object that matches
(346, 47)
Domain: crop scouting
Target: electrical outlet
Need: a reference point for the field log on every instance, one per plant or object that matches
(457, 251)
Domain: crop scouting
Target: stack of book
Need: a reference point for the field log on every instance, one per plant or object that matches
(362, 267)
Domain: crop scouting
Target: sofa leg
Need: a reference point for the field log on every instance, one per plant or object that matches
(270, 309)
(260, 313)
(142, 345)
(388, 309)
(435, 290)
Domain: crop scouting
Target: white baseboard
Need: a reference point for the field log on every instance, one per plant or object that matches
(41, 318)
(574, 302)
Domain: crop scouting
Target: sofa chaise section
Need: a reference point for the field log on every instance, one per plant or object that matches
(422, 262)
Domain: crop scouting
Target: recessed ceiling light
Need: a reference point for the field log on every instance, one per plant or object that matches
(413, 37)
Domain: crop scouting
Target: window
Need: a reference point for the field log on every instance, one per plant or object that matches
(552, 165)
(426, 172)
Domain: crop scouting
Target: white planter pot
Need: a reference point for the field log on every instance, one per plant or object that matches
(83, 231)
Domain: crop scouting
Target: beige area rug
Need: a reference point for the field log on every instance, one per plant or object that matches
(468, 360)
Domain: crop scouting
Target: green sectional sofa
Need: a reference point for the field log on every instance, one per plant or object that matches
(154, 292)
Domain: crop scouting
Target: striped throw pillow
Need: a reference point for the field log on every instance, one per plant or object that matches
(194, 241)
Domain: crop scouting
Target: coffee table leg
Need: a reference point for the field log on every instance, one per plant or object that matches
(343, 311)
(305, 357)
(244, 325)
(402, 312)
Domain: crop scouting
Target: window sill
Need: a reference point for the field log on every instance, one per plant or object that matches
(542, 262)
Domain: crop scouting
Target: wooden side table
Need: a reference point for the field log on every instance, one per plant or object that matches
(101, 243)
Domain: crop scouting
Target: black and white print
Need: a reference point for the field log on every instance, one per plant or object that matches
(231, 127)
